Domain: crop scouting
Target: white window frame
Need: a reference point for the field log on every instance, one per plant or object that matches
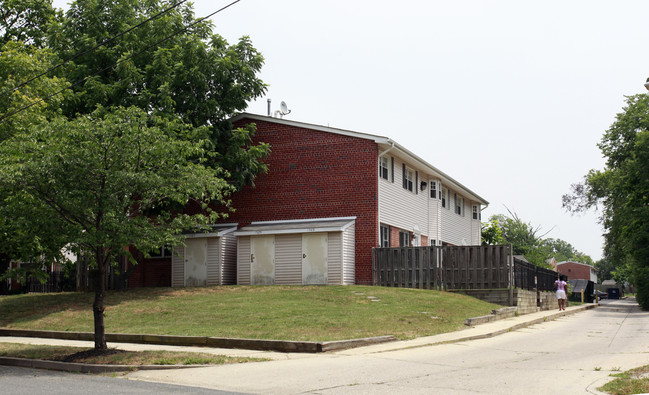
(476, 212)
(459, 204)
(404, 239)
(385, 236)
(384, 168)
(408, 180)
(433, 189)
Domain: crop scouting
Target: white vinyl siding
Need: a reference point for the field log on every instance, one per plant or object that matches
(458, 229)
(407, 211)
(349, 255)
(288, 263)
(178, 267)
(214, 261)
(243, 260)
(220, 260)
(335, 257)
(401, 208)
(292, 251)
(228, 257)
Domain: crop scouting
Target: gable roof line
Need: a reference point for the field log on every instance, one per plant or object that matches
(344, 132)
(577, 263)
(380, 140)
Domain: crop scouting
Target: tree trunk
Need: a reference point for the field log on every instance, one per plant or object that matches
(98, 305)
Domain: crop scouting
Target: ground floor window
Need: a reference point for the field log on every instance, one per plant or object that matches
(404, 239)
(385, 236)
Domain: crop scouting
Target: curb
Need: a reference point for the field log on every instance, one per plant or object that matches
(75, 367)
(203, 341)
(525, 324)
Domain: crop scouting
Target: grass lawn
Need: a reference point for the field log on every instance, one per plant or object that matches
(635, 381)
(310, 313)
(116, 357)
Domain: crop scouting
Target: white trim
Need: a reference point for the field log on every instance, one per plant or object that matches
(319, 225)
(344, 132)
(293, 221)
(387, 142)
(226, 228)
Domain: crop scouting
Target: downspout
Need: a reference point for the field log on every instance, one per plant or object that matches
(378, 194)
(481, 210)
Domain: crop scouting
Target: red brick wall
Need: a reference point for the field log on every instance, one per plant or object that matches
(314, 174)
(574, 271)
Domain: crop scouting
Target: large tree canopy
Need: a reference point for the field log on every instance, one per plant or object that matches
(621, 189)
(172, 66)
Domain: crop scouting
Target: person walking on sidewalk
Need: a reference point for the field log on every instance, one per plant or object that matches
(562, 292)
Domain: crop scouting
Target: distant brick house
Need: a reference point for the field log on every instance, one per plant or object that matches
(577, 271)
(330, 196)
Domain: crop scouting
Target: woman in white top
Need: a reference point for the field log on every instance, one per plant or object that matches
(562, 292)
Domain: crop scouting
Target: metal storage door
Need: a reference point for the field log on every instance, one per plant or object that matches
(262, 260)
(196, 262)
(314, 259)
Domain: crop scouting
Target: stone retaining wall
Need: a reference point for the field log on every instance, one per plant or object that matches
(525, 301)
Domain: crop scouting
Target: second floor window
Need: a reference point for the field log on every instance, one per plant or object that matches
(476, 212)
(459, 204)
(384, 171)
(408, 179)
(433, 189)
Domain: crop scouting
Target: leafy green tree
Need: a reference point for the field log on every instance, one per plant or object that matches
(528, 240)
(604, 269)
(523, 237)
(92, 179)
(189, 74)
(563, 251)
(621, 189)
(20, 109)
(492, 233)
(24, 21)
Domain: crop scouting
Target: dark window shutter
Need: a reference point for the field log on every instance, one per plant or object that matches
(403, 174)
(416, 183)
(392, 170)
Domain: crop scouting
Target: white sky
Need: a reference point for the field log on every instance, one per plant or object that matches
(509, 98)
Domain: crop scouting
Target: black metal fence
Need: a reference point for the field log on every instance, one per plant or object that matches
(55, 283)
(531, 277)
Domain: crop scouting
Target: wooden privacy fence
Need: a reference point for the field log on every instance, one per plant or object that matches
(443, 268)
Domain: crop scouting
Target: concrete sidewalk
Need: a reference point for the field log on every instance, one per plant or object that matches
(481, 331)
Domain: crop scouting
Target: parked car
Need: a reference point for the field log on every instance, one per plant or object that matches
(601, 295)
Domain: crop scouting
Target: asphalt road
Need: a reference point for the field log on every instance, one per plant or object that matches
(573, 354)
(21, 381)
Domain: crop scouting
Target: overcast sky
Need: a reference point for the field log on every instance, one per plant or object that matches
(510, 98)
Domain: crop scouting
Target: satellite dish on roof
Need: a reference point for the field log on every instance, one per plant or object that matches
(282, 111)
(284, 108)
